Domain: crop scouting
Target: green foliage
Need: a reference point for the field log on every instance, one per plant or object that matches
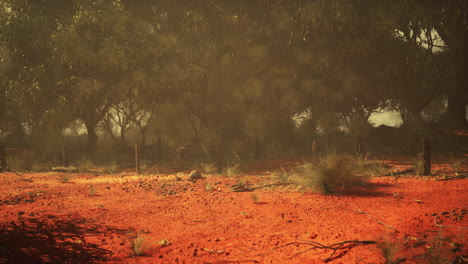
(241, 73)
(329, 174)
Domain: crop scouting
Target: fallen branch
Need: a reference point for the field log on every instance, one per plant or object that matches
(333, 247)
(445, 226)
(375, 219)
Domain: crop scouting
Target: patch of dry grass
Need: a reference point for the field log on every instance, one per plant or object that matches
(329, 174)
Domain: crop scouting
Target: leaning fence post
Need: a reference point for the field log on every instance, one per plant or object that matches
(65, 156)
(137, 159)
(427, 157)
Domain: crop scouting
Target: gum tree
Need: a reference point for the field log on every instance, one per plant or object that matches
(92, 50)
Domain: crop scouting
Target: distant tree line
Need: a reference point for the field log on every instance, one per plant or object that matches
(256, 75)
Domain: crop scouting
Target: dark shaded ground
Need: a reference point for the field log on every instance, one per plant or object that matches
(52, 239)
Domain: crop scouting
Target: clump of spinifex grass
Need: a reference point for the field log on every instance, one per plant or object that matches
(140, 244)
(329, 174)
(208, 168)
(389, 247)
(66, 177)
(255, 198)
(233, 170)
(418, 164)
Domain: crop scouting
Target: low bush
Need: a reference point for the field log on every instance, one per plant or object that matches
(329, 174)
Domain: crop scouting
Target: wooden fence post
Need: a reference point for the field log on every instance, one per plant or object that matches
(360, 150)
(65, 156)
(427, 157)
(3, 162)
(219, 157)
(314, 149)
(159, 146)
(137, 159)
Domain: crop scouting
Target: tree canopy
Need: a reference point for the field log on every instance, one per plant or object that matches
(256, 75)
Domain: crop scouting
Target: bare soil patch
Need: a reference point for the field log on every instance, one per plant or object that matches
(96, 218)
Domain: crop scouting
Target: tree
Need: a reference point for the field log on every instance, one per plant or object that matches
(28, 79)
(92, 50)
(452, 26)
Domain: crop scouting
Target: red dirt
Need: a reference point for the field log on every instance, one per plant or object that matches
(47, 221)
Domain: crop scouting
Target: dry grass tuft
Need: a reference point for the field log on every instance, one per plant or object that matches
(329, 174)
(140, 244)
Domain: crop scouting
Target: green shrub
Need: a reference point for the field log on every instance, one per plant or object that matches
(329, 174)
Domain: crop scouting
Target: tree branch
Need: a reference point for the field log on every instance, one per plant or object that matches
(333, 247)
(262, 24)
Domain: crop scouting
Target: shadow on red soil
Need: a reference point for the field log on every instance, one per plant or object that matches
(53, 239)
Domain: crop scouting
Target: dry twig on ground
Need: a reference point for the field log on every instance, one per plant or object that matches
(333, 247)
(375, 219)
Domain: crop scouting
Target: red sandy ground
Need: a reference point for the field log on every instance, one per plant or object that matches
(44, 220)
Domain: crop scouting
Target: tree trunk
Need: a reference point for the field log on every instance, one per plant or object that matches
(142, 142)
(122, 136)
(455, 117)
(159, 145)
(18, 135)
(92, 136)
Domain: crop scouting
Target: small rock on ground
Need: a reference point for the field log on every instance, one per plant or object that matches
(195, 175)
